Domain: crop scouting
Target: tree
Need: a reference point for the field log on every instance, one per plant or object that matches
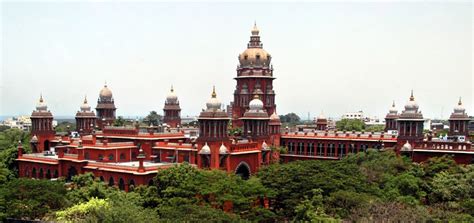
(31, 199)
(120, 121)
(290, 118)
(153, 118)
(312, 209)
(65, 126)
(350, 125)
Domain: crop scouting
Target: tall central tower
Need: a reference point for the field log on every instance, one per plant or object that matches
(254, 77)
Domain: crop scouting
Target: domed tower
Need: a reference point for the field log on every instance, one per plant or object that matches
(321, 122)
(391, 118)
(410, 123)
(459, 121)
(275, 129)
(105, 108)
(172, 111)
(85, 119)
(41, 127)
(213, 122)
(256, 120)
(254, 77)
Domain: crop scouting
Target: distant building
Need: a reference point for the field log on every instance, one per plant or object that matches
(354, 115)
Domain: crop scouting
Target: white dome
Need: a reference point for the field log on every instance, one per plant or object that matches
(393, 109)
(105, 93)
(172, 95)
(406, 147)
(223, 149)
(41, 106)
(256, 104)
(205, 150)
(321, 116)
(274, 116)
(264, 146)
(85, 107)
(459, 109)
(411, 105)
(213, 104)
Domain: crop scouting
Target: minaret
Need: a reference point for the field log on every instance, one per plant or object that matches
(459, 121)
(410, 123)
(172, 111)
(254, 77)
(105, 108)
(41, 126)
(275, 129)
(85, 119)
(391, 119)
(213, 122)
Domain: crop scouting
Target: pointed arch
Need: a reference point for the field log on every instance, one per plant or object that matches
(243, 170)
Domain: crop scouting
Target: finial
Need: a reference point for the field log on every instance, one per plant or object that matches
(105, 83)
(460, 102)
(256, 96)
(85, 99)
(41, 97)
(411, 97)
(393, 104)
(172, 88)
(214, 92)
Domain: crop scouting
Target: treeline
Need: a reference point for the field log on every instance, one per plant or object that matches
(370, 186)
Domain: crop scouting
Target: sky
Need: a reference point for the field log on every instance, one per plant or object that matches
(328, 57)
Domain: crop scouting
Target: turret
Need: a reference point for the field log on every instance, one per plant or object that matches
(172, 110)
(459, 121)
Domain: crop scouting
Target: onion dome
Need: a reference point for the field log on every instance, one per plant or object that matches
(85, 107)
(274, 116)
(265, 146)
(105, 93)
(406, 147)
(34, 139)
(213, 104)
(223, 150)
(411, 104)
(256, 104)
(205, 150)
(459, 109)
(254, 55)
(172, 97)
(392, 109)
(41, 106)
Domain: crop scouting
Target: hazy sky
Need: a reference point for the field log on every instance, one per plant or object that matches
(331, 57)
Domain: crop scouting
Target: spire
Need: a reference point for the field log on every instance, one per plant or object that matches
(255, 30)
(411, 97)
(41, 98)
(213, 92)
(105, 83)
(172, 88)
(85, 99)
(460, 102)
(393, 104)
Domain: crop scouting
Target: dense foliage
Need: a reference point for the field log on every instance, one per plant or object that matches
(370, 186)
(290, 118)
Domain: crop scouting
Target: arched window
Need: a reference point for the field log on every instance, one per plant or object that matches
(101, 178)
(331, 151)
(311, 149)
(56, 174)
(111, 157)
(27, 172)
(300, 148)
(122, 156)
(121, 184)
(33, 173)
(101, 157)
(111, 181)
(131, 185)
(320, 149)
(48, 174)
(342, 150)
(41, 173)
(151, 182)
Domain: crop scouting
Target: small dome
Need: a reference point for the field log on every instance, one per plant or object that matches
(274, 116)
(205, 150)
(406, 147)
(105, 93)
(41, 106)
(256, 104)
(213, 104)
(392, 109)
(255, 56)
(171, 96)
(223, 150)
(85, 107)
(411, 104)
(255, 30)
(321, 116)
(459, 109)
(265, 146)
(34, 139)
